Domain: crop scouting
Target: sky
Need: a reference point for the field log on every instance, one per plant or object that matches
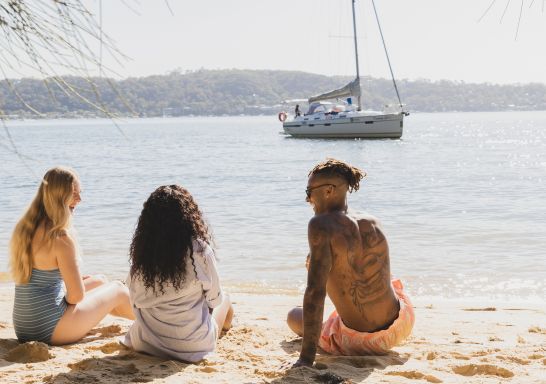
(426, 39)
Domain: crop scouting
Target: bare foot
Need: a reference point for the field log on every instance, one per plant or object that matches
(227, 321)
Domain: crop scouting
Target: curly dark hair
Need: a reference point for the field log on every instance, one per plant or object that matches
(162, 242)
(333, 167)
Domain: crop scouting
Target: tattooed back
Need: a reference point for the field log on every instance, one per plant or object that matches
(359, 282)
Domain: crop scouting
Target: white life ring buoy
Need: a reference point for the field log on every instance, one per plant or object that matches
(282, 117)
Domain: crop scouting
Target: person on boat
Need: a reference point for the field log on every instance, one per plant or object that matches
(297, 111)
(174, 287)
(44, 258)
(349, 261)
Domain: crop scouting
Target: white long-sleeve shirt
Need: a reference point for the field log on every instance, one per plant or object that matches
(177, 324)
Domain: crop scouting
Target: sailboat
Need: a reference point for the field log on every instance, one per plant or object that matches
(334, 114)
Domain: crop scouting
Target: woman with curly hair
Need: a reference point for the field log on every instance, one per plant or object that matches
(173, 283)
(54, 303)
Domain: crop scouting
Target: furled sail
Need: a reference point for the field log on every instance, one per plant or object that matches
(351, 89)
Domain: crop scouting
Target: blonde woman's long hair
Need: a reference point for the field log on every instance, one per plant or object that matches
(50, 207)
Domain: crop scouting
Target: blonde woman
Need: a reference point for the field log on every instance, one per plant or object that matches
(43, 256)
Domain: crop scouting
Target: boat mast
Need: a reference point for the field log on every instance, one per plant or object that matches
(356, 56)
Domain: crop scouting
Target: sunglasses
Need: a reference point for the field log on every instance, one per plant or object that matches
(310, 189)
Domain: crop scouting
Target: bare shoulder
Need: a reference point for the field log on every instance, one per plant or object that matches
(366, 220)
(319, 229)
(63, 245)
(320, 223)
(371, 232)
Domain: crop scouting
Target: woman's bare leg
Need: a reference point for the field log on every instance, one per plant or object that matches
(223, 314)
(295, 320)
(93, 281)
(81, 318)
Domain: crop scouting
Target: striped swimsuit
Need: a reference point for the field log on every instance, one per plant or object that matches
(39, 305)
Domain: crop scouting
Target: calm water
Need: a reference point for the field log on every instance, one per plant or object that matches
(461, 196)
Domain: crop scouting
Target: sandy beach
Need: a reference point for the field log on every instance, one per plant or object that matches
(452, 342)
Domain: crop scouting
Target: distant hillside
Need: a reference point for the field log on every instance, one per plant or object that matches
(253, 92)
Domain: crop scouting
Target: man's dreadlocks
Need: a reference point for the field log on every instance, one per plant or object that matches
(333, 167)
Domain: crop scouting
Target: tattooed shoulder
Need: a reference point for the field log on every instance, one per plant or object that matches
(371, 235)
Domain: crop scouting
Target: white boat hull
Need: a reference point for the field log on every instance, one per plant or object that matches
(363, 126)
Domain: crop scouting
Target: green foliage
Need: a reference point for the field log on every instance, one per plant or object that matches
(251, 92)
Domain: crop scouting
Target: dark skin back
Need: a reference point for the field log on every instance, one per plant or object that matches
(349, 261)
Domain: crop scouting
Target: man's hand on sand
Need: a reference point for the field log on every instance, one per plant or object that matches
(302, 363)
(299, 363)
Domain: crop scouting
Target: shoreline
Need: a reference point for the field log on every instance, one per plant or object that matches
(261, 289)
(273, 115)
(277, 289)
(450, 343)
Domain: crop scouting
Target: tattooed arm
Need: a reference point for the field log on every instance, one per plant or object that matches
(313, 301)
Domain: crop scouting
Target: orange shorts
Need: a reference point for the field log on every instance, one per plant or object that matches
(338, 339)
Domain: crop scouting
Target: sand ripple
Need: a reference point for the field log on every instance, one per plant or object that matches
(415, 375)
(483, 369)
(537, 330)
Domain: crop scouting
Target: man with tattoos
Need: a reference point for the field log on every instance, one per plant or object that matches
(349, 261)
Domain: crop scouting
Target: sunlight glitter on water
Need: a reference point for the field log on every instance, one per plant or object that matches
(460, 196)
